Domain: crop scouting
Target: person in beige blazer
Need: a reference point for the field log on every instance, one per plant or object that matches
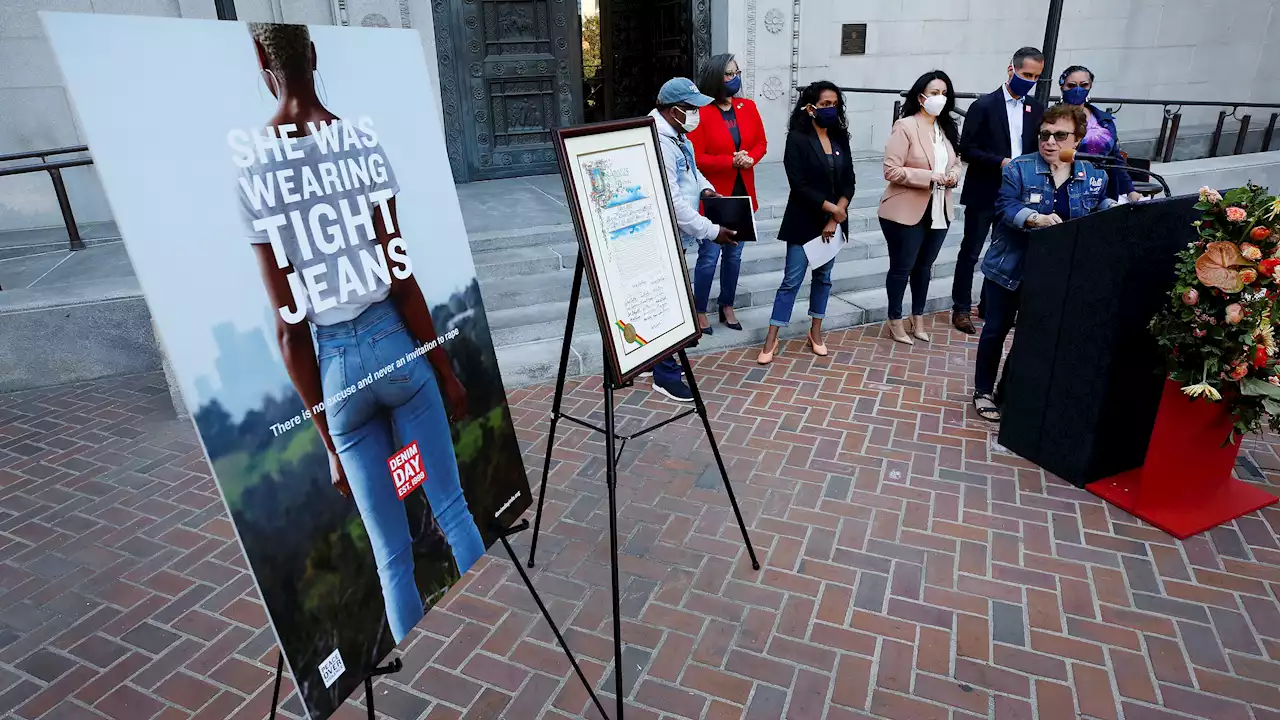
(921, 165)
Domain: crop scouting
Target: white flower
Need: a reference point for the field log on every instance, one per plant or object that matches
(1209, 195)
(1204, 389)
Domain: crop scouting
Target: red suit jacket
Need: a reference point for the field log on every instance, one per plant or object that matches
(713, 146)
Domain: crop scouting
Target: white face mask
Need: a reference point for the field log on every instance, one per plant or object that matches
(934, 104)
(691, 119)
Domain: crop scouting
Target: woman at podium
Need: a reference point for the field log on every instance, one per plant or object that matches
(1038, 190)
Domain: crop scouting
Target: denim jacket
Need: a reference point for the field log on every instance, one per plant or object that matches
(686, 184)
(1027, 188)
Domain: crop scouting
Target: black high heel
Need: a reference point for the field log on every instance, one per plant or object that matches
(726, 323)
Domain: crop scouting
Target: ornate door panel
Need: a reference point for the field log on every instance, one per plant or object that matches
(510, 73)
(646, 43)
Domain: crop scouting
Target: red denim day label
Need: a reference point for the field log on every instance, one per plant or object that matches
(406, 470)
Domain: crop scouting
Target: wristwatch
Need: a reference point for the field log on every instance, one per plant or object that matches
(1032, 220)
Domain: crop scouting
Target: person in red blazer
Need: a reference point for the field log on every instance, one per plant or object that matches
(727, 144)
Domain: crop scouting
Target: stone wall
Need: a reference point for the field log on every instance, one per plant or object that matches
(36, 113)
(1182, 49)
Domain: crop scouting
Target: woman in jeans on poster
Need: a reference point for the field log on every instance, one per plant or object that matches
(921, 166)
(820, 171)
(350, 335)
(727, 144)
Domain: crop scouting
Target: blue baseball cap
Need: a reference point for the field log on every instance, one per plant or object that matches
(682, 90)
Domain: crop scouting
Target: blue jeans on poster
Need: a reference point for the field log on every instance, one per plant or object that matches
(371, 425)
(792, 277)
(709, 255)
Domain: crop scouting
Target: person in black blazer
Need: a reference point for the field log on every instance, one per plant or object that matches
(987, 144)
(820, 171)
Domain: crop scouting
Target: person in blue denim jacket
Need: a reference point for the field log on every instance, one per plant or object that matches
(1038, 191)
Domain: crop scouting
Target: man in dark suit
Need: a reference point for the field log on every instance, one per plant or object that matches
(998, 127)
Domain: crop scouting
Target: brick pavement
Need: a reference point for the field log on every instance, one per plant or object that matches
(912, 570)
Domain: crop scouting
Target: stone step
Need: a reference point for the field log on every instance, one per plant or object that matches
(505, 292)
(862, 211)
(537, 361)
(528, 323)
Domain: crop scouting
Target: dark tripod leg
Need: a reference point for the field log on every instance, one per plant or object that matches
(715, 450)
(611, 480)
(555, 403)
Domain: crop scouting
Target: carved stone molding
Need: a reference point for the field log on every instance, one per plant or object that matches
(773, 20)
(749, 68)
(773, 88)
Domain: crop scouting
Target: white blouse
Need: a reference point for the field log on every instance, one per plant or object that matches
(940, 159)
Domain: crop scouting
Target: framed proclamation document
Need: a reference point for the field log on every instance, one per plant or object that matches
(621, 206)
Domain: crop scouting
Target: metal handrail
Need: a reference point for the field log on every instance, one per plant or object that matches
(1168, 127)
(42, 154)
(1096, 101)
(54, 169)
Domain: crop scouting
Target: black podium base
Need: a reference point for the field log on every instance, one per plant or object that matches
(1084, 375)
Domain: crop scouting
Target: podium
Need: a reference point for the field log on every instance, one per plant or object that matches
(1084, 377)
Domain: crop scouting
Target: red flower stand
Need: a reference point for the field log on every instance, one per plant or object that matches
(1185, 487)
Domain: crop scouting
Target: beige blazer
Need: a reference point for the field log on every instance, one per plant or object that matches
(908, 166)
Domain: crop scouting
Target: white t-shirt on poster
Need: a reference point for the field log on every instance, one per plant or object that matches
(345, 175)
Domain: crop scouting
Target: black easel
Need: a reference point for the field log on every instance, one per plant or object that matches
(396, 665)
(611, 467)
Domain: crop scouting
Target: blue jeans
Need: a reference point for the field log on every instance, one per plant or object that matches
(1001, 307)
(709, 255)
(372, 424)
(668, 371)
(792, 276)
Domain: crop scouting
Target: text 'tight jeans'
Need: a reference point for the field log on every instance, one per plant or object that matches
(372, 424)
(977, 225)
(709, 255)
(792, 278)
(1001, 306)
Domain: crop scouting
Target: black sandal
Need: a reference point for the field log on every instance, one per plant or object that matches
(986, 406)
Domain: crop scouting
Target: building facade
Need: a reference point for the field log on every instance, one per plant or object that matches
(509, 72)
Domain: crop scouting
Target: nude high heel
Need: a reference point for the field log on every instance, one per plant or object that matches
(917, 329)
(819, 349)
(899, 334)
(766, 355)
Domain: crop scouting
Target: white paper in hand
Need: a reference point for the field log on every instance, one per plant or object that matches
(820, 253)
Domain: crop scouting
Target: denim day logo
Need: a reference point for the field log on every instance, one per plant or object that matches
(406, 470)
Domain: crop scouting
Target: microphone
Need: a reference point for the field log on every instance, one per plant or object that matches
(1068, 155)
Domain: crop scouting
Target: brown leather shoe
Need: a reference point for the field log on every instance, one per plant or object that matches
(963, 322)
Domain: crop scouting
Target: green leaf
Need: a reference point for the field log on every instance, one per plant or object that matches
(1253, 387)
(1271, 406)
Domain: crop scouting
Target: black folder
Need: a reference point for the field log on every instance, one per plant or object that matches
(734, 213)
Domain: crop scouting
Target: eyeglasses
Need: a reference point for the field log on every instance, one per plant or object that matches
(1060, 136)
(732, 74)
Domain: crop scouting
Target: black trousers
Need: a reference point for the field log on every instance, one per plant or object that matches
(912, 252)
(1001, 310)
(977, 226)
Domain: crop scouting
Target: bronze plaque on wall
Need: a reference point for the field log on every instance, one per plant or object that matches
(853, 39)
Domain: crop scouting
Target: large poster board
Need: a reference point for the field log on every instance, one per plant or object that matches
(286, 200)
(621, 204)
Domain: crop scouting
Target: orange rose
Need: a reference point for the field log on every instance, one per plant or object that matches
(1248, 276)
(1260, 233)
(1250, 252)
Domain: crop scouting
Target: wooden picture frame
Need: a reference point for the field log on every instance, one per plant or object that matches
(592, 157)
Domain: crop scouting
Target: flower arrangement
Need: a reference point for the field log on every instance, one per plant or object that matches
(1219, 327)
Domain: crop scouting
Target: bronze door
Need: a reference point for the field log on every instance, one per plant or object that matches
(510, 74)
(644, 43)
